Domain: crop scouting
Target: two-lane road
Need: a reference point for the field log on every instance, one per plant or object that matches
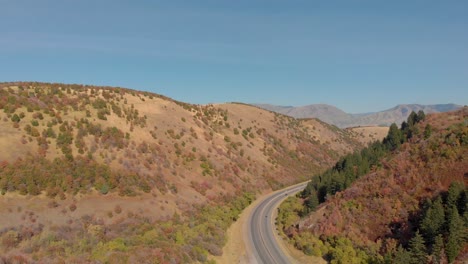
(261, 228)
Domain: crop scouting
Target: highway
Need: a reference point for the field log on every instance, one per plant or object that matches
(262, 228)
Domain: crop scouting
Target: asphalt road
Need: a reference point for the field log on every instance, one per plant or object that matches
(262, 228)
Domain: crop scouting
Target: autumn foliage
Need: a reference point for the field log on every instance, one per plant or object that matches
(403, 198)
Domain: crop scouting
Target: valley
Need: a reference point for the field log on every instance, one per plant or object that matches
(233, 132)
(82, 163)
(106, 174)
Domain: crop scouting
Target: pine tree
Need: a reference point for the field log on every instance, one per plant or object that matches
(312, 202)
(417, 249)
(394, 137)
(454, 193)
(402, 256)
(433, 220)
(408, 127)
(412, 119)
(420, 116)
(438, 249)
(456, 234)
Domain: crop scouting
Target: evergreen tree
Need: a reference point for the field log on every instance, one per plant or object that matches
(417, 249)
(408, 127)
(438, 249)
(311, 203)
(394, 137)
(456, 234)
(402, 256)
(462, 203)
(433, 220)
(412, 119)
(454, 193)
(420, 116)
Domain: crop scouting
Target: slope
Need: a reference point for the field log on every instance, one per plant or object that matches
(387, 207)
(82, 163)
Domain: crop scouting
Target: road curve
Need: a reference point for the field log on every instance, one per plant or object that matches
(262, 228)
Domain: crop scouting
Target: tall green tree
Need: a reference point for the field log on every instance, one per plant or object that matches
(312, 202)
(433, 220)
(438, 253)
(402, 256)
(412, 119)
(454, 193)
(456, 234)
(394, 137)
(420, 116)
(417, 249)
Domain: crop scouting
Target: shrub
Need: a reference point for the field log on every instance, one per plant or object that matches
(15, 118)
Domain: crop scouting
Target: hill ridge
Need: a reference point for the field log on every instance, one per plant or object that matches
(93, 160)
(336, 116)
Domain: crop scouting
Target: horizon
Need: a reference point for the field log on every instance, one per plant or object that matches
(359, 57)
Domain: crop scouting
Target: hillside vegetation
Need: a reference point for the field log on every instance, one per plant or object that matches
(403, 200)
(108, 174)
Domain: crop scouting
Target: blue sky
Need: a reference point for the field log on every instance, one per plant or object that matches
(360, 56)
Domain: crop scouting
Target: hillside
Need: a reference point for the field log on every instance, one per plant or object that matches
(339, 118)
(383, 214)
(80, 164)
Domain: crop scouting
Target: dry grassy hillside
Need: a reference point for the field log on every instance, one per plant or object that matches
(75, 154)
(368, 134)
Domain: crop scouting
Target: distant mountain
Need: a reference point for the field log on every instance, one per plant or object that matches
(339, 118)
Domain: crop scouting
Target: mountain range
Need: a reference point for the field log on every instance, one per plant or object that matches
(335, 116)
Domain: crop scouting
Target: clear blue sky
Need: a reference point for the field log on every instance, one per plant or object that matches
(357, 55)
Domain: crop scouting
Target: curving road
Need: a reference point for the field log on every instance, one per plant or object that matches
(262, 228)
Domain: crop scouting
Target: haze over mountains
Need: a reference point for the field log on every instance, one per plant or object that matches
(335, 116)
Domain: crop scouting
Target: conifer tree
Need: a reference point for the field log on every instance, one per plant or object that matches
(402, 255)
(312, 202)
(433, 220)
(412, 119)
(394, 137)
(456, 234)
(417, 249)
(420, 116)
(438, 249)
(454, 191)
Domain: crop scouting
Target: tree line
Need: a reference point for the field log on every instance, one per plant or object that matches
(352, 166)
